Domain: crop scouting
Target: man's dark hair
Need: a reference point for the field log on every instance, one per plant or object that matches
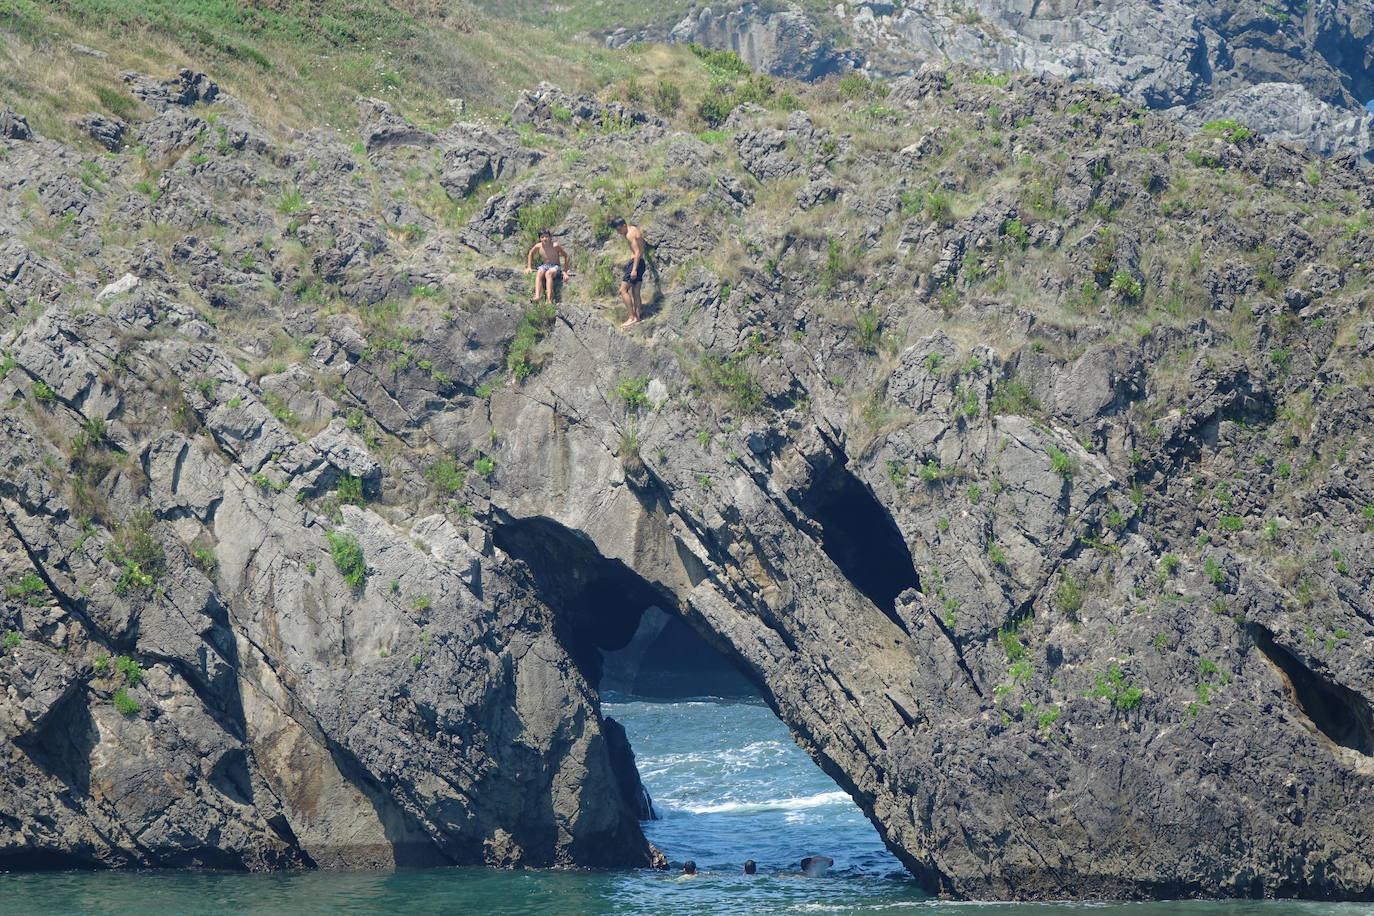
(689, 867)
(750, 867)
(616, 223)
(544, 232)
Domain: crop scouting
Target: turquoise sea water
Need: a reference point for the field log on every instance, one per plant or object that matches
(729, 785)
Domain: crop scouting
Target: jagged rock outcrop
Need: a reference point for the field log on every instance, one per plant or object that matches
(1010, 440)
(1227, 59)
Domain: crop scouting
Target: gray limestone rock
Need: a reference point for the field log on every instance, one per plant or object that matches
(1065, 584)
(13, 126)
(108, 132)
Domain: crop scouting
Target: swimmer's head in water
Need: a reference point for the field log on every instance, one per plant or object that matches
(689, 867)
(750, 867)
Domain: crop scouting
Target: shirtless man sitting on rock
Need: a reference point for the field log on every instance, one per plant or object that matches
(552, 259)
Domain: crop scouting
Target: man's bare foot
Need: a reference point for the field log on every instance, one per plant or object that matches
(629, 321)
(535, 299)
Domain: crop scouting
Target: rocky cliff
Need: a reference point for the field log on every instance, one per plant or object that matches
(1013, 441)
(1295, 71)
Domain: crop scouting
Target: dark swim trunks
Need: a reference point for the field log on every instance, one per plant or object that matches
(632, 276)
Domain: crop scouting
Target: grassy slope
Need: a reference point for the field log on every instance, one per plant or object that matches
(295, 63)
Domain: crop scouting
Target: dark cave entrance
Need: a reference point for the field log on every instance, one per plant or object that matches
(1337, 712)
(618, 628)
(860, 537)
(700, 707)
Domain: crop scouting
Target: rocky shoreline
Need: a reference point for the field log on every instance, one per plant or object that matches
(1012, 440)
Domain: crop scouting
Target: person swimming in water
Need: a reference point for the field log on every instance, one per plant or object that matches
(750, 867)
(689, 868)
(815, 866)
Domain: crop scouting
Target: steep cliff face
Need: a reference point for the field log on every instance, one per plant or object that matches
(1299, 72)
(207, 665)
(1010, 439)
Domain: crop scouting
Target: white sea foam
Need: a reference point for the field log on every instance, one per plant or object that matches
(772, 804)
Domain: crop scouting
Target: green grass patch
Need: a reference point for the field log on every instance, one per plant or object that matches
(347, 554)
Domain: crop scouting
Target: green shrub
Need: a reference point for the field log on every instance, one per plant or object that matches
(119, 104)
(521, 359)
(348, 557)
(997, 555)
(1012, 396)
(485, 465)
(1126, 286)
(1214, 571)
(1011, 644)
(1049, 717)
(604, 278)
(291, 202)
(714, 108)
(41, 392)
(447, 475)
(349, 489)
(721, 63)
(1233, 131)
(938, 208)
(129, 669)
(730, 375)
(12, 640)
(1231, 523)
(126, 704)
(204, 557)
(1168, 565)
(1060, 463)
(836, 265)
(931, 471)
(869, 329)
(666, 98)
(1016, 230)
(1123, 695)
(32, 589)
(1069, 595)
(137, 553)
(632, 390)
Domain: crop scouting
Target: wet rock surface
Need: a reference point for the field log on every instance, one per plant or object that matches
(1014, 447)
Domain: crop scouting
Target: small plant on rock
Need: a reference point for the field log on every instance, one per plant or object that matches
(32, 590)
(137, 553)
(447, 476)
(1060, 462)
(632, 390)
(350, 490)
(126, 704)
(347, 554)
(129, 669)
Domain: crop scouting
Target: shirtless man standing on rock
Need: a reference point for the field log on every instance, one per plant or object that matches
(634, 270)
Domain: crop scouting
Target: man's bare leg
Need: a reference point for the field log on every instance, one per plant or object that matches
(627, 298)
(538, 279)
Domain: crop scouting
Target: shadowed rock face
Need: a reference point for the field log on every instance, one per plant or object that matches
(1299, 72)
(1040, 518)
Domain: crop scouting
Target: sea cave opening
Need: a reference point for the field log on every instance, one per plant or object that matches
(860, 537)
(727, 780)
(1336, 711)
